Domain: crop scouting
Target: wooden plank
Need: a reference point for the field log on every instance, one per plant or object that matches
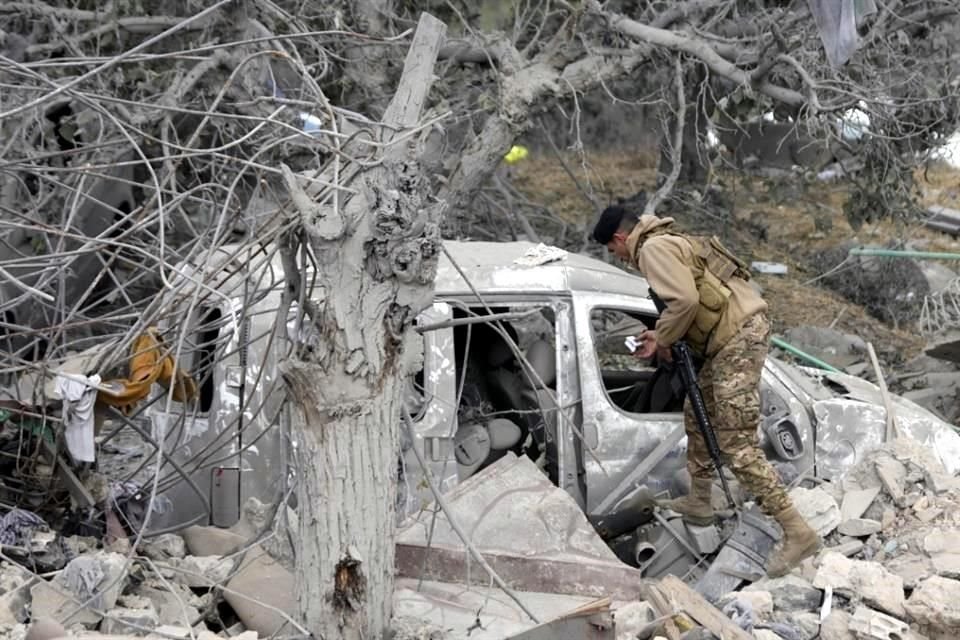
(663, 609)
(685, 599)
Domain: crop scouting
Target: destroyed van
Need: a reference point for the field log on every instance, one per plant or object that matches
(524, 352)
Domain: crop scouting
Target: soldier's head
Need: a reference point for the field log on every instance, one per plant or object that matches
(615, 224)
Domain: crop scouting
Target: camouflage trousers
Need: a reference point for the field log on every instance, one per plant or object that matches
(730, 382)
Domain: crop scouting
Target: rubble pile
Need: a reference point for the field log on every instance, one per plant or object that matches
(205, 582)
(890, 567)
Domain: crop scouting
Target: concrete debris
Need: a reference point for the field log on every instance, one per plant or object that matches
(789, 593)
(759, 601)
(211, 541)
(131, 621)
(868, 581)
(818, 508)
(263, 610)
(849, 548)
(836, 626)
(859, 527)
(936, 602)
(869, 624)
(198, 571)
(87, 587)
(165, 547)
(856, 502)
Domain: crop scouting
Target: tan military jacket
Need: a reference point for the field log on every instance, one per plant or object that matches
(672, 268)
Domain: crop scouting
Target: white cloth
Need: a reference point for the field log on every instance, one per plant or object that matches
(79, 394)
(540, 254)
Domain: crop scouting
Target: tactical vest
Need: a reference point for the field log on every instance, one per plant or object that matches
(714, 266)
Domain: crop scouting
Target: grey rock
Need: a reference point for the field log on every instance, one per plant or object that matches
(808, 624)
(173, 608)
(132, 621)
(859, 527)
(789, 593)
(166, 546)
(95, 580)
(892, 475)
(866, 580)
(199, 571)
(763, 634)
(848, 548)
(817, 507)
(936, 602)
(855, 503)
(837, 626)
(45, 629)
(261, 580)
(211, 541)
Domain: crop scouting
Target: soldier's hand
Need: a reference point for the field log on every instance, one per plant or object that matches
(648, 345)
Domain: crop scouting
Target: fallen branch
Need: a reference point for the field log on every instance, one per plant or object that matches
(676, 153)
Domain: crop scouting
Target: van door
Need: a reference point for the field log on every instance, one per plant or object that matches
(632, 417)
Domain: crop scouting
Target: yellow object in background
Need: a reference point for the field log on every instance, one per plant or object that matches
(516, 154)
(150, 362)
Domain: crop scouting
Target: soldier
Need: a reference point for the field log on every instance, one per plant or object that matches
(711, 306)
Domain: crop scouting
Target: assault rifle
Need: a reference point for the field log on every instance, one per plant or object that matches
(683, 364)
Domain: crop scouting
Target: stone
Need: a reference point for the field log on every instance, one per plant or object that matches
(632, 617)
(941, 482)
(930, 514)
(818, 508)
(760, 601)
(14, 632)
(888, 519)
(172, 631)
(261, 580)
(169, 545)
(869, 581)
(132, 621)
(892, 475)
(855, 503)
(200, 571)
(173, 609)
(94, 580)
(836, 626)
(211, 541)
(45, 629)
(764, 634)
(807, 623)
(942, 541)
(936, 602)
(848, 548)
(867, 623)
(15, 583)
(859, 527)
(789, 593)
(259, 517)
(912, 568)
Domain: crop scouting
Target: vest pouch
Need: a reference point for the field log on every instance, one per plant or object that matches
(714, 298)
(723, 263)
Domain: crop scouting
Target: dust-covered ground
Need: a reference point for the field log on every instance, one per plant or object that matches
(790, 220)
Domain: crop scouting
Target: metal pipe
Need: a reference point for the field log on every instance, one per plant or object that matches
(897, 253)
(789, 348)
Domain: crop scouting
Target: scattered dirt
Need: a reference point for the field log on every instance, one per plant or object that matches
(788, 220)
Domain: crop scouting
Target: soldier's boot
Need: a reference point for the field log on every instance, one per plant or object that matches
(695, 507)
(798, 543)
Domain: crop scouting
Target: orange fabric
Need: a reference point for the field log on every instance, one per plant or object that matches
(148, 364)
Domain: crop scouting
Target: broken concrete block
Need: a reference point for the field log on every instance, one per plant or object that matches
(930, 514)
(837, 626)
(859, 527)
(789, 593)
(759, 634)
(817, 507)
(936, 602)
(169, 545)
(45, 629)
(942, 541)
(867, 623)
(172, 609)
(912, 568)
(892, 475)
(211, 541)
(632, 618)
(94, 581)
(855, 503)
(867, 580)
(807, 623)
(941, 482)
(261, 580)
(15, 583)
(848, 548)
(200, 571)
(888, 519)
(132, 621)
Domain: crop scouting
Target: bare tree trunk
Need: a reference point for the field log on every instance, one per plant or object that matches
(376, 258)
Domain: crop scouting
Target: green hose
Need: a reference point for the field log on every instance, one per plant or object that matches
(894, 253)
(803, 355)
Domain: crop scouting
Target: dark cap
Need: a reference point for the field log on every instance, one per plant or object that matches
(610, 222)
